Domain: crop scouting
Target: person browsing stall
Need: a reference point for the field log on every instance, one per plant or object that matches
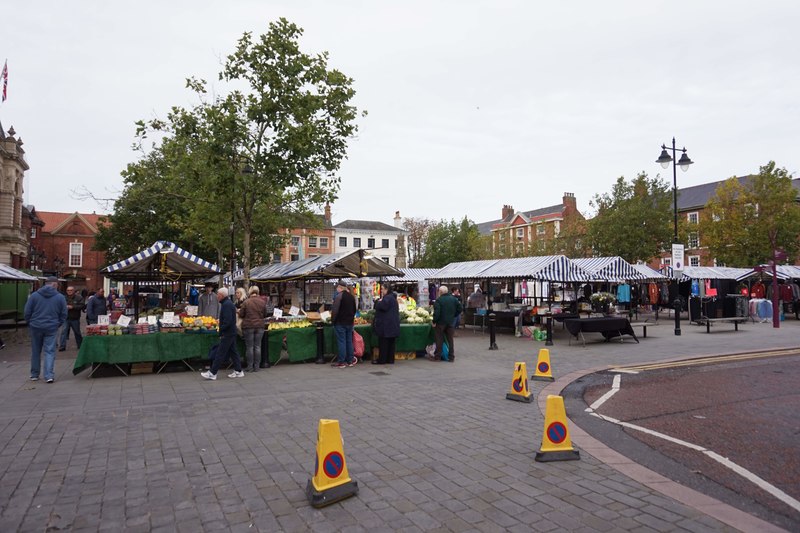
(386, 325)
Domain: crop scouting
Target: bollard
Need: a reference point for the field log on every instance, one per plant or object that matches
(320, 343)
(549, 331)
(677, 304)
(492, 343)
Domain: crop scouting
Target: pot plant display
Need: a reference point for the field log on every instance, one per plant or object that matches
(602, 301)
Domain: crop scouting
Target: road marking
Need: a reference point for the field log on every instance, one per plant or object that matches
(602, 399)
(751, 477)
(708, 360)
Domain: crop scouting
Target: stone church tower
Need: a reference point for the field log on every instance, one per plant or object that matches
(13, 241)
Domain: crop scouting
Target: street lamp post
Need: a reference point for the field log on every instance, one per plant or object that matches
(665, 159)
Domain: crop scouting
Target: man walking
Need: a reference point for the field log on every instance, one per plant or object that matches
(45, 312)
(445, 310)
(75, 305)
(227, 341)
(343, 315)
(96, 307)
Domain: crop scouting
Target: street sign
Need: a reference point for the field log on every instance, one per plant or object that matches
(677, 257)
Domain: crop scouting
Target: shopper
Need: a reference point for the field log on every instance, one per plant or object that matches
(445, 310)
(343, 315)
(457, 295)
(75, 306)
(45, 312)
(386, 325)
(209, 303)
(96, 306)
(253, 313)
(227, 341)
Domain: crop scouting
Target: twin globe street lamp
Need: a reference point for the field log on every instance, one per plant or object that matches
(677, 249)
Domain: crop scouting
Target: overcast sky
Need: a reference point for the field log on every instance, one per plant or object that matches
(471, 104)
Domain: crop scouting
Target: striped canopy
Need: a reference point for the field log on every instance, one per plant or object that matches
(649, 273)
(177, 264)
(338, 265)
(12, 274)
(781, 271)
(544, 268)
(414, 274)
(612, 269)
(700, 272)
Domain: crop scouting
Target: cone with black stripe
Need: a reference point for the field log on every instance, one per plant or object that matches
(544, 372)
(556, 444)
(519, 385)
(331, 482)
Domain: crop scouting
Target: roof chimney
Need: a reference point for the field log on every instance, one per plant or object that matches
(507, 211)
(398, 222)
(328, 214)
(569, 200)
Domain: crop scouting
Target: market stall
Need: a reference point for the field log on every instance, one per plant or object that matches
(15, 286)
(713, 292)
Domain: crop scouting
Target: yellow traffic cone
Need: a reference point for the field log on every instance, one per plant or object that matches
(331, 482)
(556, 445)
(519, 385)
(544, 372)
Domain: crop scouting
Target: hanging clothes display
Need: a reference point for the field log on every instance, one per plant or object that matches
(758, 290)
(624, 293)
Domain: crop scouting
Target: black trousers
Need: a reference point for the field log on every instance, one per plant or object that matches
(386, 350)
(442, 331)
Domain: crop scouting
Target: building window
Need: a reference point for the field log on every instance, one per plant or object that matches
(342, 241)
(395, 244)
(694, 260)
(370, 243)
(694, 240)
(295, 241)
(295, 257)
(323, 242)
(520, 233)
(33, 232)
(502, 236)
(667, 261)
(276, 258)
(357, 242)
(692, 217)
(76, 254)
(384, 243)
(312, 242)
(385, 260)
(540, 229)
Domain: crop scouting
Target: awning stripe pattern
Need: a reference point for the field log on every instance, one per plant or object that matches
(783, 272)
(649, 273)
(544, 268)
(341, 264)
(613, 269)
(414, 274)
(157, 248)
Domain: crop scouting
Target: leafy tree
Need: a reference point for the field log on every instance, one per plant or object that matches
(452, 242)
(417, 233)
(250, 161)
(744, 222)
(633, 220)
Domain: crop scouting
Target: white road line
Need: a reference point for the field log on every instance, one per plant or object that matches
(764, 485)
(602, 399)
(624, 371)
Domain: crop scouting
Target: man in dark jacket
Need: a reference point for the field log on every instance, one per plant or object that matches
(445, 310)
(386, 325)
(45, 312)
(343, 315)
(75, 306)
(96, 306)
(227, 341)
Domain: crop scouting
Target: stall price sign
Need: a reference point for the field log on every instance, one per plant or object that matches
(325, 315)
(142, 320)
(168, 317)
(191, 310)
(294, 310)
(277, 313)
(152, 320)
(124, 321)
(102, 320)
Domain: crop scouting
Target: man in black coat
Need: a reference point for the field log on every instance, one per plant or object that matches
(386, 325)
(343, 315)
(227, 341)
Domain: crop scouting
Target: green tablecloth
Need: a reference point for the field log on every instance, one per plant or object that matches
(162, 347)
(413, 337)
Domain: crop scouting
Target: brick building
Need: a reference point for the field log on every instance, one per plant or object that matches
(529, 233)
(308, 242)
(13, 238)
(65, 241)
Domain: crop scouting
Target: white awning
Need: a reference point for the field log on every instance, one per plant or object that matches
(612, 269)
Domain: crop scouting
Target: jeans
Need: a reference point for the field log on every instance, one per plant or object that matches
(74, 325)
(444, 332)
(227, 348)
(457, 321)
(252, 342)
(41, 338)
(344, 340)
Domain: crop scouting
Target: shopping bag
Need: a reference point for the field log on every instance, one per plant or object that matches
(358, 344)
(445, 352)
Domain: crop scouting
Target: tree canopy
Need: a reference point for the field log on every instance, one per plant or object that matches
(245, 164)
(746, 220)
(633, 220)
(451, 242)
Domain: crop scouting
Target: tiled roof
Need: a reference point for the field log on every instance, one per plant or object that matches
(698, 196)
(54, 219)
(485, 228)
(367, 225)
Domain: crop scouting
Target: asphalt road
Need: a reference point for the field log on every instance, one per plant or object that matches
(746, 410)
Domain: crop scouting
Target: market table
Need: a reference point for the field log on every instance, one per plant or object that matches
(119, 350)
(413, 338)
(608, 326)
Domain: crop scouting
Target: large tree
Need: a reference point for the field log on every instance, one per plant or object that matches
(633, 220)
(452, 242)
(744, 222)
(417, 233)
(248, 162)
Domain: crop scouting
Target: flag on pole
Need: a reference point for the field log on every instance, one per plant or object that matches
(4, 75)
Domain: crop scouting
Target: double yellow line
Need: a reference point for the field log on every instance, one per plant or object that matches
(709, 360)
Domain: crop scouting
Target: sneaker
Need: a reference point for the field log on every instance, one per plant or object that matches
(236, 374)
(354, 362)
(336, 364)
(340, 365)
(209, 375)
(34, 378)
(50, 380)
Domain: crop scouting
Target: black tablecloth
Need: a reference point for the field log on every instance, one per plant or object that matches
(608, 326)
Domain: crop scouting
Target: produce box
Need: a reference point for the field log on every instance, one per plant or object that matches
(141, 368)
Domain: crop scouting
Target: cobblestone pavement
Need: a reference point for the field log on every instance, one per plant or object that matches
(433, 446)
